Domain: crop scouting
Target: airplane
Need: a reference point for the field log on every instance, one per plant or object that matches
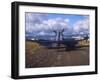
(69, 41)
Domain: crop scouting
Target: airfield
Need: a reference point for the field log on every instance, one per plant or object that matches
(39, 56)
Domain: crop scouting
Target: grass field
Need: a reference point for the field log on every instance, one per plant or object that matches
(39, 56)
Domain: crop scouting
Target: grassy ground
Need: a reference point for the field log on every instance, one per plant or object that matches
(39, 56)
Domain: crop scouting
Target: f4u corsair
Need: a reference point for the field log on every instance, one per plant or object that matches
(59, 40)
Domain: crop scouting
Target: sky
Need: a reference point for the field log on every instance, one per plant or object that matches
(46, 23)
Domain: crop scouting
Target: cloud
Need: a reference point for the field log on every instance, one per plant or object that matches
(32, 20)
(40, 24)
(67, 20)
(35, 23)
(55, 24)
(82, 26)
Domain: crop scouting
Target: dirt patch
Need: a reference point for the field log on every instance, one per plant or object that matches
(40, 56)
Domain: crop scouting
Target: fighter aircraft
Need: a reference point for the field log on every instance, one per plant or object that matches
(59, 39)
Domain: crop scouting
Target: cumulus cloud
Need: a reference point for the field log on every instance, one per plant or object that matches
(37, 23)
(40, 24)
(55, 24)
(82, 26)
(32, 20)
(67, 20)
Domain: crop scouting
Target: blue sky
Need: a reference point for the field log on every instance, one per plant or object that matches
(45, 23)
(71, 17)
